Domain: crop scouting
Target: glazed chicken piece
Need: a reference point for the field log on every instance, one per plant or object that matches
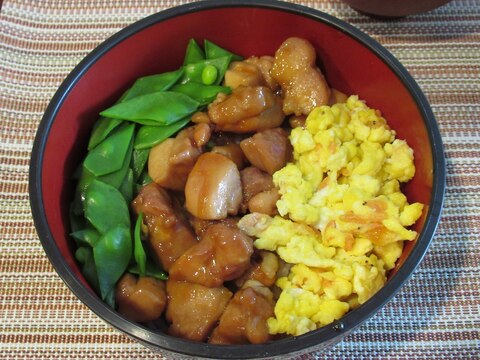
(254, 224)
(245, 318)
(269, 150)
(220, 138)
(222, 254)
(265, 63)
(213, 190)
(263, 268)
(170, 162)
(297, 121)
(200, 225)
(140, 299)
(233, 152)
(169, 233)
(303, 85)
(242, 73)
(247, 109)
(193, 310)
(254, 181)
(264, 202)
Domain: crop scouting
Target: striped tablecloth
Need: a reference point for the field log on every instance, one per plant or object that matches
(436, 315)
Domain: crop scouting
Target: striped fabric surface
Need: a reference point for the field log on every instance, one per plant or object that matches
(437, 313)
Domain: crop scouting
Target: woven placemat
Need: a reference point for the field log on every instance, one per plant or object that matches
(436, 315)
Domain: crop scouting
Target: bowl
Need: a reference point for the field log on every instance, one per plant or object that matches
(353, 63)
(394, 8)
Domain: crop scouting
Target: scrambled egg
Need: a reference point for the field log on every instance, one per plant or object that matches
(343, 218)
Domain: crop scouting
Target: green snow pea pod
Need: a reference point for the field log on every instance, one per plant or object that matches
(86, 178)
(148, 136)
(117, 178)
(88, 236)
(143, 180)
(102, 128)
(126, 188)
(163, 107)
(109, 155)
(193, 72)
(105, 207)
(204, 94)
(194, 53)
(213, 51)
(77, 221)
(138, 250)
(151, 270)
(112, 255)
(139, 159)
(152, 83)
(84, 256)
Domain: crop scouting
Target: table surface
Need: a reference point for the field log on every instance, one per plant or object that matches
(435, 315)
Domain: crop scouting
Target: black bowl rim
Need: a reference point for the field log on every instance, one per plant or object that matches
(325, 335)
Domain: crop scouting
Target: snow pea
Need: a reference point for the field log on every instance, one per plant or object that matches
(77, 221)
(117, 178)
(163, 107)
(151, 270)
(105, 207)
(126, 188)
(143, 180)
(138, 250)
(213, 51)
(102, 128)
(139, 159)
(204, 94)
(86, 178)
(109, 155)
(148, 136)
(194, 53)
(152, 83)
(84, 256)
(193, 72)
(112, 255)
(86, 237)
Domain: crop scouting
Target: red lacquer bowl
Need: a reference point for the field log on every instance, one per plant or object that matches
(394, 8)
(353, 63)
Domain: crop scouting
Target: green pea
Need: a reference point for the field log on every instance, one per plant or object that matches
(112, 255)
(193, 72)
(209, 74)
(105, 207)
(149, 136)
(163, 107)
(138, 250)
(109, 155)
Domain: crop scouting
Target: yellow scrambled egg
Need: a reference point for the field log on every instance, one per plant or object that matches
(343, 218)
